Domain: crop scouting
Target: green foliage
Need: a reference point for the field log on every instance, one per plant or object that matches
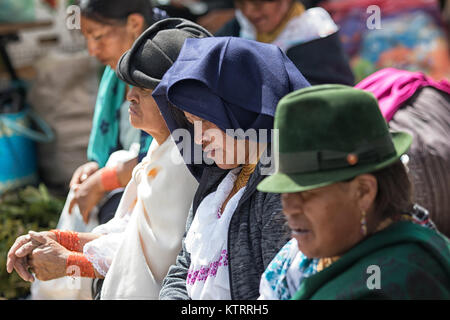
(20, 211)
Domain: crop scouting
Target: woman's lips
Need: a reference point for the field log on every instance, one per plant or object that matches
(302, 235)
(258, 22)
(299, 231)
(210, 152)
(132, 109)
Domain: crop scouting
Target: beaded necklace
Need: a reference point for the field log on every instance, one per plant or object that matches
(240, 182)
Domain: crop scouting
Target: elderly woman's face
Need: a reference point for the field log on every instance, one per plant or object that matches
(264, 15)
(226, 151)
(107, 43)
(143, 111)
(326, 221)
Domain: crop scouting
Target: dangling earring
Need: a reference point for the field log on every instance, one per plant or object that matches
(363, 223)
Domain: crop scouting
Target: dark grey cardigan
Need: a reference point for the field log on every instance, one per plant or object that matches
(257, 232)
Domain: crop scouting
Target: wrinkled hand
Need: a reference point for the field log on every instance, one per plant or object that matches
(83, 172)
(17, 254)
(48, 260)
(20, 264)
(87, 195)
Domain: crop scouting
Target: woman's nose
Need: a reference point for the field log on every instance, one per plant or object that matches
(198, 134)
(93, 48)
(131, 95)
(249, 8)
(292, 203)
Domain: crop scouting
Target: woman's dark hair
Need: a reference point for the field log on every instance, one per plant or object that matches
(395, 190)
(113, 12)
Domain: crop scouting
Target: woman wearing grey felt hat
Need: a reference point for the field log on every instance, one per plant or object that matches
(109, 27)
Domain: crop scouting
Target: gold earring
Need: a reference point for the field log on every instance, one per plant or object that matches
(363, 223)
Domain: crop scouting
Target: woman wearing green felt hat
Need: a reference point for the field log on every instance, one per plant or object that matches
(347, 199)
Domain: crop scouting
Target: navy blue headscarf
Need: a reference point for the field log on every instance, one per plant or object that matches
(232, 82)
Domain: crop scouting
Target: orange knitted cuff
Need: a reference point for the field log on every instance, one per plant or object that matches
(110, 181)
(68, 239)
(77, 265)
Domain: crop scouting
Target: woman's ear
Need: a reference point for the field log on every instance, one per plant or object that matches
(366, 191)
(135, 24)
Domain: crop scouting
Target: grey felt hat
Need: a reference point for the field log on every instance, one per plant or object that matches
(156, 49)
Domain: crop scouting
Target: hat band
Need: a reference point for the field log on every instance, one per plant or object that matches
(313, 161)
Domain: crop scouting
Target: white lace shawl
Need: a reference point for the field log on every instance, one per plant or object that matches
(206, 241)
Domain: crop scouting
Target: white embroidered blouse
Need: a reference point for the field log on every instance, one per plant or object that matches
(206, 241)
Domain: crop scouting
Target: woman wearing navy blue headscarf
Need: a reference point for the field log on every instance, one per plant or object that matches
(228, 89)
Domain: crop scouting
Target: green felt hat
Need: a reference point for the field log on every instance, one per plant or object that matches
(329, 133)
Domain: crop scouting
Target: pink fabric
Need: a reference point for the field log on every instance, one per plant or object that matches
(392, 87)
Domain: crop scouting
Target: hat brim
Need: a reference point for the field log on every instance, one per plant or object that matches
(288, 183)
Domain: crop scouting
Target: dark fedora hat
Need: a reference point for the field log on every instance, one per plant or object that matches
(156, 49)
(330, 133)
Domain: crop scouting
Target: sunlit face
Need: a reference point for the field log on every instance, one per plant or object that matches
(264, 15)
(227, 152)
(144, 112)
(326, 221)
(107, 43)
